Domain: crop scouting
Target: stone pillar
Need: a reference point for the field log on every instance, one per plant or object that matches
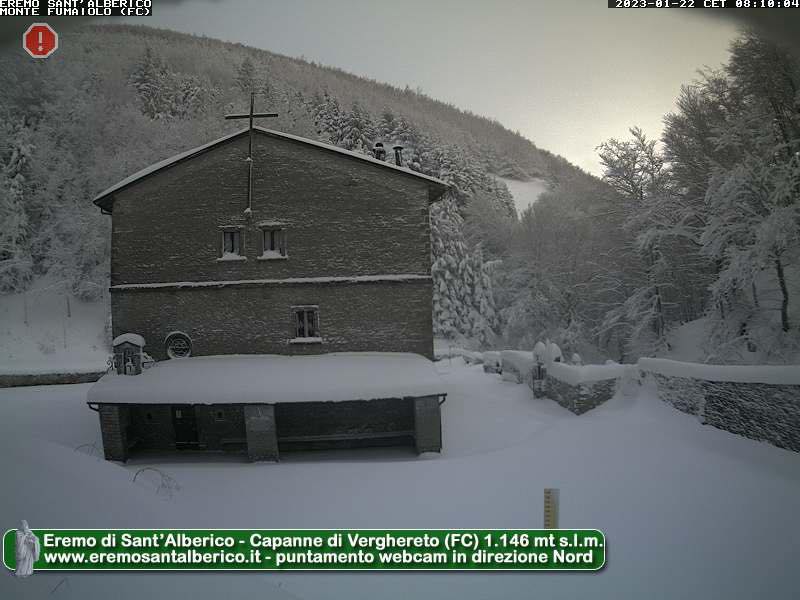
(427, 424)
(113, 426)
(262, 437)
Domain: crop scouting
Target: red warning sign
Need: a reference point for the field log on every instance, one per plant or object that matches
(39, 40)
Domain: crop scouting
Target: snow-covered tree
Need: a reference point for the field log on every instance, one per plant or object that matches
(449, 261)
(483, 315)
(636, 170)
(150, 79)
(356, 131)
(734, 147)
(15, 259)
(190, 96)
(463, 299)
(246, 76)
(753, 230)
(328, 117)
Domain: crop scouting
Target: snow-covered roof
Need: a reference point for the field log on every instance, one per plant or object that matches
(271, 379)
(132, 338)
(104, 199)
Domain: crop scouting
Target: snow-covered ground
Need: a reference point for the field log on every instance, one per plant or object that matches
(46, 330)
(693, 342)
(687, 341)
(525, 193)
(689, 511)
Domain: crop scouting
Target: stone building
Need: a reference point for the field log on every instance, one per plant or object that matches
(284, 247)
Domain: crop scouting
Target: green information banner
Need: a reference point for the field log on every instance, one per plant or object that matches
(312, 549)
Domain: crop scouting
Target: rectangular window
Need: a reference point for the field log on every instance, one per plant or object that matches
(232, 243)
(306, 324)
(273, 242)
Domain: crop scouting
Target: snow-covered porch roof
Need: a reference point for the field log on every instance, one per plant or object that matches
(273, 379)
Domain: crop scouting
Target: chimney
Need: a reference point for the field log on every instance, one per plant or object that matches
(398, 155)
(379, 151)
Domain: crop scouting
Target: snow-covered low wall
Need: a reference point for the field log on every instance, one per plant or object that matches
(491, 362)
(442, 352)
(585, 374)
(758, 402)
(580, 388)
(29, 379)
(517, 365)
(472, 358)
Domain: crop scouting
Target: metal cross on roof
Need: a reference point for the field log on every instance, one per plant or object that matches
(251, 115)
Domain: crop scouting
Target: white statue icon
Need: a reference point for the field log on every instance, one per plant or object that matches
(27, 551)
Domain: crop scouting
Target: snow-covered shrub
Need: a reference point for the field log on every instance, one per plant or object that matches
(540, 353)
(554, 353)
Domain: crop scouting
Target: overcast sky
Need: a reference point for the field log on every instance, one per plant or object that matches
(567, 74)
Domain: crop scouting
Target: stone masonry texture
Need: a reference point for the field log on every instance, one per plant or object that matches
(579, 398)
(428, 424)
(342, 218)
(262, 438)
(114, 427)
(763, 412)
(387, 317)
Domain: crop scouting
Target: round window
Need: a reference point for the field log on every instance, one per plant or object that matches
(178, 345)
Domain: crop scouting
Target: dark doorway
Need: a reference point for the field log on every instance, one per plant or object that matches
(185, 424)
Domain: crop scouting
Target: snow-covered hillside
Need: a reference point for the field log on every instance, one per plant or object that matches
(525, 193)
(689, 511)
(693, 342)
(46, 330)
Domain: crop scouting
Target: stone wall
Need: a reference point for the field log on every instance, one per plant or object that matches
(427, 424)
(262, 440)
(221, 427)
(759, 411)
(577, 388)
(342, 216)
(258, 319)
(581, 397)
(18, 380)
(114, 421)
(352, 417)
(151, 427)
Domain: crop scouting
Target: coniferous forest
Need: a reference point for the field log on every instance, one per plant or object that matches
(703, 223)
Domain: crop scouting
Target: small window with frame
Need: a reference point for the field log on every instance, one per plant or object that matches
(232, 244)
(273, 242)
(306, 325)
